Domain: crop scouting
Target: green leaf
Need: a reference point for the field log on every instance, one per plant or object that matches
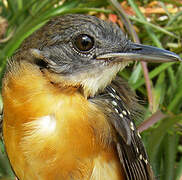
(170, 150)
(179, 170)
(157, 135)
(159, 91)
(153, 74)
(135, 75)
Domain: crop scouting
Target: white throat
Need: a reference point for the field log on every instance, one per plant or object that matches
(98, 79)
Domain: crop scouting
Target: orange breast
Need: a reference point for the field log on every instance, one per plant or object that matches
(51, 135)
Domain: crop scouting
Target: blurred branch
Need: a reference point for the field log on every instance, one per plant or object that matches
(157, 116)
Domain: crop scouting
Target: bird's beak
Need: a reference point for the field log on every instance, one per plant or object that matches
(141, 52)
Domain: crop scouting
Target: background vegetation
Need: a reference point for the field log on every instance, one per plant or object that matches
(157, 23)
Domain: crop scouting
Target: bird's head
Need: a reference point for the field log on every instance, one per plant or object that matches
(84, 51)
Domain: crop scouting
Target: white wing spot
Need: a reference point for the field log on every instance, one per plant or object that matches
(121, 115)
(141, 157)
(124, 112)
(114, 103)
(113, 90)
(132, 126)
(138, 134)
(116, 110)
(145, 160)
(117, 97)
(137, 150)
(112, 95)
(129, 112)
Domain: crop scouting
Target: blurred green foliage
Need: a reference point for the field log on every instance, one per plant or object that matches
(163, 140)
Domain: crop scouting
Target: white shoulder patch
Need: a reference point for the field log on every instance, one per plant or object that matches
(43, 125)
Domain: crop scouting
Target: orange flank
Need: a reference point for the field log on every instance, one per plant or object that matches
(51, 134)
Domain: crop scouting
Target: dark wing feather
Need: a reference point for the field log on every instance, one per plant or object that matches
(120, 108)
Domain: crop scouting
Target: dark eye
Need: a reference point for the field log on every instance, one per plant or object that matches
(84, 42)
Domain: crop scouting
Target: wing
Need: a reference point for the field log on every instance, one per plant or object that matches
(121, 108)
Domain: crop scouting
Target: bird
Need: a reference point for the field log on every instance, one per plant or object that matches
(66, 113)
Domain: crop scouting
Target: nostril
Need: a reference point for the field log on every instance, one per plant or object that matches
(136, 48)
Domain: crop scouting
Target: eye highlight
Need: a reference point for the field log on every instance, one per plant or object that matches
(84, 42)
